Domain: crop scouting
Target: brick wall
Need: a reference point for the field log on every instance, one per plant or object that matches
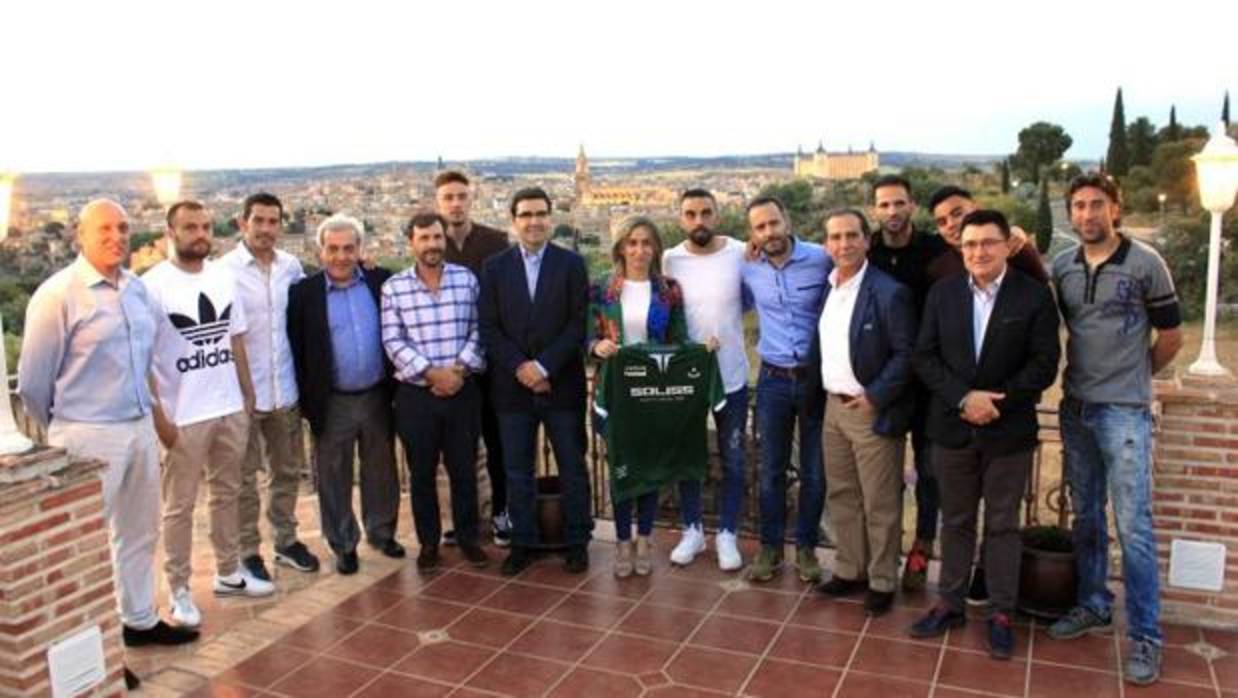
(1195, 489)
(55, 574)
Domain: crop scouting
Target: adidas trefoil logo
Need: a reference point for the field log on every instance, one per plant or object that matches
(208, 330)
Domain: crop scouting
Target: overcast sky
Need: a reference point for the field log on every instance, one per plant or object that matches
(129, 85)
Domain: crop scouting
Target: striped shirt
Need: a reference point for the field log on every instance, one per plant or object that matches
(423, 329)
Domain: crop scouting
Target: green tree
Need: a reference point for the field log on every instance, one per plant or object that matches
(1044, 219)
(1225, 110)
(797, 197)
(139, 240)
(1005, 174)
(1184, 247)
(1040, 144)
(1173, 131)
(1117, 158)
(1141, 135)
(1174, 171)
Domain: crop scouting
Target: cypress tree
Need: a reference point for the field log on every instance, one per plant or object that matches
(1173, 132)
(1225, 110)
(1044, 219)
(1006, 176)
(1117, 158)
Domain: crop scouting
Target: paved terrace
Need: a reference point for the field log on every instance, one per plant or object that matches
(390, 631)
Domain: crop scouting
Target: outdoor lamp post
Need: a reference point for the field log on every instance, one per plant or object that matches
(11, 440)
(1160, 199)
(167, 184)
(1217, 169)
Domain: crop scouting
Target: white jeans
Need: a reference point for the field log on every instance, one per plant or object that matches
(130, 503)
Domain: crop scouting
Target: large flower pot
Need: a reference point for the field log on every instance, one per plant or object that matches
(550, 513)
(1047, 578)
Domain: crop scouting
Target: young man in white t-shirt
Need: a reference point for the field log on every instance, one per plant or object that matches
(203, 397)
(707, 267)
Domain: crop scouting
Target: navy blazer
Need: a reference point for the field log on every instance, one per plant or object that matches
(549, 329)
(309, 339)
(882, 336)
(1019, 357)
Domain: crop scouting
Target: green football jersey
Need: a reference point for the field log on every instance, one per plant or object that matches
(655, 399)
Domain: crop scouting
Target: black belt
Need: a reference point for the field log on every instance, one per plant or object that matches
(794, 373)
(363, 391)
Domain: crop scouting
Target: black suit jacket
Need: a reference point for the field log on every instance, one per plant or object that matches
(549, 329)
(881, 337)
(309, 337)
(1019, 357)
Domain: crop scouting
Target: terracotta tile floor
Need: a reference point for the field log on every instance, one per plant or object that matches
(681, 632)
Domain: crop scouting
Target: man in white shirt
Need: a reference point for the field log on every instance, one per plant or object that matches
(202, 399)
(864, 343)
(263, 276)
(707, 267)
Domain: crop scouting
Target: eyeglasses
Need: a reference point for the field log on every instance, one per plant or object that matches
(987, 244)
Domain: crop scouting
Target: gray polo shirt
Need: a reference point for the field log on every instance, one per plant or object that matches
(1110, 311)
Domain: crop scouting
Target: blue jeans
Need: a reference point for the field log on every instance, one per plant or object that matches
(646, 508)
(646, 504)
(565, 429)
(780, 407)
(731, 423)
(1107, 449)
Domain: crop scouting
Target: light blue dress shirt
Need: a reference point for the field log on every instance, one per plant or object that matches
(788, 302)
(356, 334)
(87, 347)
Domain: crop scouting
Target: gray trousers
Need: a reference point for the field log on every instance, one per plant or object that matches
(965, 476)
(357, 422)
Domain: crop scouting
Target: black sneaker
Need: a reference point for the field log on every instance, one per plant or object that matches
(257, 567)
(347, 563)
(298, 557)
(577, 559)
(427, 559)
(977, 592)
(475, 555)
(936, 622)
(838, 586)
(1001, 637)
(517, 561)
(159, 634)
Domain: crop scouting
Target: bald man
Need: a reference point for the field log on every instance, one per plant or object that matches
(86, 355)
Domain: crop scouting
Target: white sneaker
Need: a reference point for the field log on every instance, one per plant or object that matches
(690, 545)
(241, 583)
(729, 558)
(184, 612)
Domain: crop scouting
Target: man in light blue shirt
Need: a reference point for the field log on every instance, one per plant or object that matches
(86, 354)
(785, 283)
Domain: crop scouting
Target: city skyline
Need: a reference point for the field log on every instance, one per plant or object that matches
(129, 86)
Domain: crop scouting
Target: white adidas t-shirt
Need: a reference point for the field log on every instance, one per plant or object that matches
(713, 304)
(193, 365)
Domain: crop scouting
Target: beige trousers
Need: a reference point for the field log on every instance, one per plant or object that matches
(215, 448)
(280, 431)
(864, 485)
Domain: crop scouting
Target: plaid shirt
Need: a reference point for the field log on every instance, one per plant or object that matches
(423, 330)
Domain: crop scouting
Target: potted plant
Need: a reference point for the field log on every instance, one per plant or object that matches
(1047, 578)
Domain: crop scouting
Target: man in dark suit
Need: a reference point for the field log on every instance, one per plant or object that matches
(988, 346)
(344, 380)
(532, 319)
(861, 368)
